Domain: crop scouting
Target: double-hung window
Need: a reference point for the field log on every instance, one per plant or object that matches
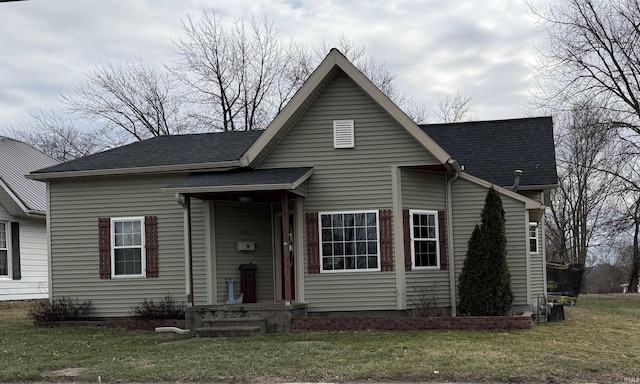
(349, 241)
(533, 237)
(128, 248)
(424, 239)
(4, 249)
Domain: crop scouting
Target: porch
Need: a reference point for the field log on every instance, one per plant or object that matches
(242, 319)
(250, 217)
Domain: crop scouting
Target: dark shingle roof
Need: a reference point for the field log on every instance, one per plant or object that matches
(493, 150)
(165, 150)
(243, 177)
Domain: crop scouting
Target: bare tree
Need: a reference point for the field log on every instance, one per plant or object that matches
(585, 146)
(132, 100)
(58, 137)
(453, 108)
(239, 76)
(593, 53)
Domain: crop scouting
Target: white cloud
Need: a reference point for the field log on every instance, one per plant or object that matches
(435, 47)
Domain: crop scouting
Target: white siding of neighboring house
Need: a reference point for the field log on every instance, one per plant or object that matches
(33, 261)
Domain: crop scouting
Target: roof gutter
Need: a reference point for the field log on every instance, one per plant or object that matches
(217, 166)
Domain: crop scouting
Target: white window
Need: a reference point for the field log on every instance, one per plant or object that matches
(4, 249)
(127, 247)
(349, 241)
(533, 237)
(424, 239)
(343, 134)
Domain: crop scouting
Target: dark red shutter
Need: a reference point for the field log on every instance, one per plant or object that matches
(151, 244)
(313, 254)
(104, 246)
(442, 239)
(407, 239)
(386, 239)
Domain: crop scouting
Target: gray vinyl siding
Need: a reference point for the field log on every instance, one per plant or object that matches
(76, 205)
(243, 222)
(425, 190)
(346, 180)
(468, 201)
(537, 269)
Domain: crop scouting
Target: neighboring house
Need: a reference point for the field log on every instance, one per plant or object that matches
(23, 231)
(342, 203)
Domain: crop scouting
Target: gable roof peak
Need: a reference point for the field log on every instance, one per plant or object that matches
(335, 61)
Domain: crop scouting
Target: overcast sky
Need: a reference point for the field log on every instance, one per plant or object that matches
(435, 47)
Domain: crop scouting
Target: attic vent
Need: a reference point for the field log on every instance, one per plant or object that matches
(343, 134)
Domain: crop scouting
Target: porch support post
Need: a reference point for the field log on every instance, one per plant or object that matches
(286, 247)
(189, 245)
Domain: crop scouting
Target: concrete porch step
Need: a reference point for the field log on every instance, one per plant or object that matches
(231, 326)
(231, 331)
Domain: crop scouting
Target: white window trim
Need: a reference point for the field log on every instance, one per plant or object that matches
(537, 237)
(322, 270)
(343, 134)
(413, 243)
(9, 274)
(143, 255)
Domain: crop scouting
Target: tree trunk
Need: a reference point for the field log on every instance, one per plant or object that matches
(635, 269)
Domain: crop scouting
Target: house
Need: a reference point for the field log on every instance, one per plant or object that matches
(342, 203)
(23, 232)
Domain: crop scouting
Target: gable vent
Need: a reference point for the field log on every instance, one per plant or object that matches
(343, 134)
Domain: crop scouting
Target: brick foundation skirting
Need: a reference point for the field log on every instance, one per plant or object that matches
(475, 323)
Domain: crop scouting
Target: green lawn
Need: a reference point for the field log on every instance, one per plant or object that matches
(599, 341)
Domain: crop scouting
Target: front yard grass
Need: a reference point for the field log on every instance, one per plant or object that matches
(599, 341)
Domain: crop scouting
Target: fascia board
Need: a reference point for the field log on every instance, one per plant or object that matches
(242, 188)
(529, 203)
(222, 165)
(392, 109)
(296, 102)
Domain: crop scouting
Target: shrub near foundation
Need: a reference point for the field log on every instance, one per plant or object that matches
(166, 308)
(61, 309)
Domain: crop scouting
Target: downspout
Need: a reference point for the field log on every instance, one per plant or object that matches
(452, 264)
(190, 299)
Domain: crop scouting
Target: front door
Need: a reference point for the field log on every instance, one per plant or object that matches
(281, 254)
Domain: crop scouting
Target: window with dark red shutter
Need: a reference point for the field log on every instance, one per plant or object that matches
(442, 239)
(151, 245)
(386, 239)
(121, 248)
(313, 254)
(104, 246)
(407, 239)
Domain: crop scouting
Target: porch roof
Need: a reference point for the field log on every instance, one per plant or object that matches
(248, 180)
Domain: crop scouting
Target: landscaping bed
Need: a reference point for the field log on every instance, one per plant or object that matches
(474, 323)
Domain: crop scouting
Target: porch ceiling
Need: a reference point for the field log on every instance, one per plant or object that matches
(265, 185)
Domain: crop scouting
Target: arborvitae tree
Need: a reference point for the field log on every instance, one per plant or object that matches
(485, 281)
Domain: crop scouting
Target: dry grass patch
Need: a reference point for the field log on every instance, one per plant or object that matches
(599, 341)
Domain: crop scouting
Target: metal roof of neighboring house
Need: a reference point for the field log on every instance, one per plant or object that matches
(493, 150)
(16, 160)
(165, 151)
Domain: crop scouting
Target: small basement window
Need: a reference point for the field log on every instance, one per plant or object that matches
(343, 134)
